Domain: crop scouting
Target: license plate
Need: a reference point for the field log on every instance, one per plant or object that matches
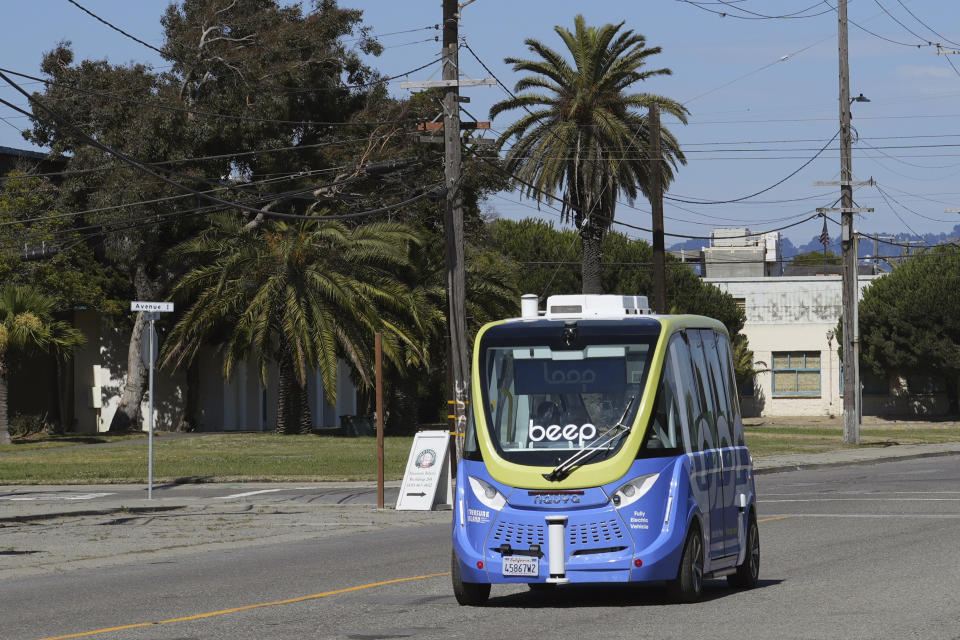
(524, 566)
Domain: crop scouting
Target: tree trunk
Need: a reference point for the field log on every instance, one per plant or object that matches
(190, 417)
(127, 416)
(293, 408)
(591, 237)
(4, 421)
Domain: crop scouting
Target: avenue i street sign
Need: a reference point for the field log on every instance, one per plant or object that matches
(162, 307)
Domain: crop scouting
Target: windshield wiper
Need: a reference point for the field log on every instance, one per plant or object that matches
(563, 469)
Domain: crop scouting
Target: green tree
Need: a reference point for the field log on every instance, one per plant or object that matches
(583, 135)
(41, 247)
(543, 262)
(27, 326)
(910, 320)
(252, 90)
(300, 295)
(816, 258)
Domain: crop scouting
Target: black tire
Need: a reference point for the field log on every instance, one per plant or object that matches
(748, 573)
(469, 594)
(688, 585)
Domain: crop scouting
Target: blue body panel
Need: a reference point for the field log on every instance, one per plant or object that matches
(601, 541)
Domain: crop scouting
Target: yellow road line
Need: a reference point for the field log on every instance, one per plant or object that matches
(211, 614)
(773, 518)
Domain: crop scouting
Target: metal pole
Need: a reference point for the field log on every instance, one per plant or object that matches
(150, 418)
(656, 206)
(851, 427)
(379, 373)
(459, 364)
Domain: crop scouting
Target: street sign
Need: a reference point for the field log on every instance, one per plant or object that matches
(427, 471)
(148, 353)
(151, 306)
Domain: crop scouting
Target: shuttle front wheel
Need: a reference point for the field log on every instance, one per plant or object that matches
(688, 584)
(748, 573)
(471, 594)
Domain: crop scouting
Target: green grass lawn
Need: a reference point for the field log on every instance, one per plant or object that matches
(769, 440)
(214, 457)
(269, 457)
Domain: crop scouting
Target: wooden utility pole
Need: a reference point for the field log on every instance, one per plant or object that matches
(851, 423)
(458, 374)
(656, 205)
(378, 356)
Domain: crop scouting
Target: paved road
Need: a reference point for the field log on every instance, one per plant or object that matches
(866, 551)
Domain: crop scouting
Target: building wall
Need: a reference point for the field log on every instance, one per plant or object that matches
(792, 314)
(242, 403)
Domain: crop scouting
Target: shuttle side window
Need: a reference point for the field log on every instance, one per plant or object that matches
(687, 395)
(726, 359)
(718, 386)
(665, 431)
(706, 424)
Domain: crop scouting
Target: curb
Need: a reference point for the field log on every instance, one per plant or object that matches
(849, 463)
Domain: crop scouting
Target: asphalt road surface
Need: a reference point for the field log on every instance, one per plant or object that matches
(867, 551)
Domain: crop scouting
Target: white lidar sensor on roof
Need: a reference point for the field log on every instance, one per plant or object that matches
(596, 306)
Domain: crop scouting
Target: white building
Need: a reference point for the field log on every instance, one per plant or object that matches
(790, 325)
(97, 371)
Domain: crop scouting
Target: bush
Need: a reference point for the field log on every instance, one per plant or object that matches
(23, 425)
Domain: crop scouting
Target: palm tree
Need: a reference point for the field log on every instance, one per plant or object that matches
(27, 326)
(301, 295)
(583, 134)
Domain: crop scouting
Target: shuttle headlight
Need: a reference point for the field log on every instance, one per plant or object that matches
(632, 491)
(487, 494)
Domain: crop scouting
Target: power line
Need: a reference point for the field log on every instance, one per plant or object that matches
(241, 187)
(776, 184)
(222, 156)
(212, 114)
(753, 15)
(914, 16)
(117, 29)
(877, 35)
(638, 228)
(146, 169)
(894, 18)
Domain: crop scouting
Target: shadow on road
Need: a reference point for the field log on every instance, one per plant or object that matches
(603, 595)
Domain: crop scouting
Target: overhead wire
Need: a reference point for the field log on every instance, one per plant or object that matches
(754, 15)
(776, 184)
(914, 16)
(116, 28)
(212, 114)
(148, 170)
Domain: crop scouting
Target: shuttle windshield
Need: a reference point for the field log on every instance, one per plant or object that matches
(551, 389)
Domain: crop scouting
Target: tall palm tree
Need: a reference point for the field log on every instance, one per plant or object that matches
(583, 134)
(27, 326)
(301, 295)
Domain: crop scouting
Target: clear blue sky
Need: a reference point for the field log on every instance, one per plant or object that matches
(756, 117)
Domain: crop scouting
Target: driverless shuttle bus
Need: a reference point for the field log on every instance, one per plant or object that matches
(605, 445)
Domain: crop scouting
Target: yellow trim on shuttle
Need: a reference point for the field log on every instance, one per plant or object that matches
(594, 474)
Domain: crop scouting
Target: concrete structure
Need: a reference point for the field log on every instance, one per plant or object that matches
(241, 404)
(85, 391)
(790, 325)
(734, 253)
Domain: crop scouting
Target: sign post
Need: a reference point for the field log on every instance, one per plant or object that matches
(148, 352)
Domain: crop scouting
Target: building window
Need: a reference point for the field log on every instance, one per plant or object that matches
(796, 373)
(741, 304)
